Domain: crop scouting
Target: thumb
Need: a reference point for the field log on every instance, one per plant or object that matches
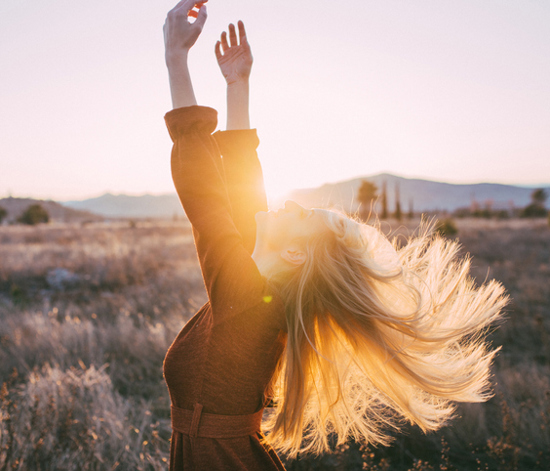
(201, 18)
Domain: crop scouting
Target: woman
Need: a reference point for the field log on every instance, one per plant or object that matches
(308, 309)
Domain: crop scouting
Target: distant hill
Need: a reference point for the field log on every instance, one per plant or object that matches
(58, 213)
(425, 195)
(145, 206)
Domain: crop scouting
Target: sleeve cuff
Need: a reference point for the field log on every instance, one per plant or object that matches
(191, 119)
(237, 141)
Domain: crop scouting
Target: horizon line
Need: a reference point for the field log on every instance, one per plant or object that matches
(158, 194)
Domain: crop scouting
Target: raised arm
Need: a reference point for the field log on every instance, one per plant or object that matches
(238, 144)
(231, 277)
(235, 60)
(179, 36)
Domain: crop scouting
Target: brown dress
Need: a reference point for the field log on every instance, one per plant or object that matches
(221, 363)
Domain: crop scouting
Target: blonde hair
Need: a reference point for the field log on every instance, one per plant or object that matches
(377, 336)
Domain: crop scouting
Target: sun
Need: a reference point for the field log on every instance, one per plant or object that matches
(278, 192)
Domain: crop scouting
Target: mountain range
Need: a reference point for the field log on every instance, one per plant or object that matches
(145, 206)
(422, 195)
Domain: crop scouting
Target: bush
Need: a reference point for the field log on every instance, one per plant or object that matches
(502, 214)
(534, 211)
(34, 214)
(447, 228)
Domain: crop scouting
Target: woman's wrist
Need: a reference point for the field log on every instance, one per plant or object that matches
(239, 83)
(238, 116)
(176, 60)
(181, 87)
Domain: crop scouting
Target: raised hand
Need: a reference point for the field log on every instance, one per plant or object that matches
(179, 34)
(234, 56)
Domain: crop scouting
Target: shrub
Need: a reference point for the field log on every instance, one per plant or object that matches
(502, 214)
(534, 211)
(447, 228)
(34, 214)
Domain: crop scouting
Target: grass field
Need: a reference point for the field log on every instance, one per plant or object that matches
(87, 313)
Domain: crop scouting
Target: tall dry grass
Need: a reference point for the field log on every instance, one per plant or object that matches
(88, 312)
(86, 316)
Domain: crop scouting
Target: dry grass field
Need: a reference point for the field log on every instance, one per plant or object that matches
(87, 313)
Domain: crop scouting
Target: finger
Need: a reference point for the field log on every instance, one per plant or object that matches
(180, 4)
(196, 8)
(201, 18)
(188, 6)
(218, 50)
(185, 5)
(233, 35)
(242, 32)
(194, 12)
(225, 45)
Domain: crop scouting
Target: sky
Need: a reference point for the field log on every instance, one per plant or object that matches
(456, 91)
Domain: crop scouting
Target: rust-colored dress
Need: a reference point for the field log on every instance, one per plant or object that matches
(219, 367)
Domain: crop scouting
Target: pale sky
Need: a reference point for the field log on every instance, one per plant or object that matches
(457, 91)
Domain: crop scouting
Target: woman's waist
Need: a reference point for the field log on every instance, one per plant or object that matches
(197, 423)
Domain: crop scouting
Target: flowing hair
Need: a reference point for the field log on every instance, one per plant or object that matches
(378, 336)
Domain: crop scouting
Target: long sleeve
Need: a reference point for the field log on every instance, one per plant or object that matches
(232, 279)
(244, 179)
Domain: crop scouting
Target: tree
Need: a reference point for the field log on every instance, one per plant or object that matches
(539, 196)
(34, 214)
(536, 208)
(398, 213)
(365, 196)
(411, 208)
(3, 214)
(384, 201)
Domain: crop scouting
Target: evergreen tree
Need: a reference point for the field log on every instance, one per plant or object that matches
(384, 201)
(3, 214)
(365, 196)
(411, 208)
(536, 208)
(539, 197)
(398, 214)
